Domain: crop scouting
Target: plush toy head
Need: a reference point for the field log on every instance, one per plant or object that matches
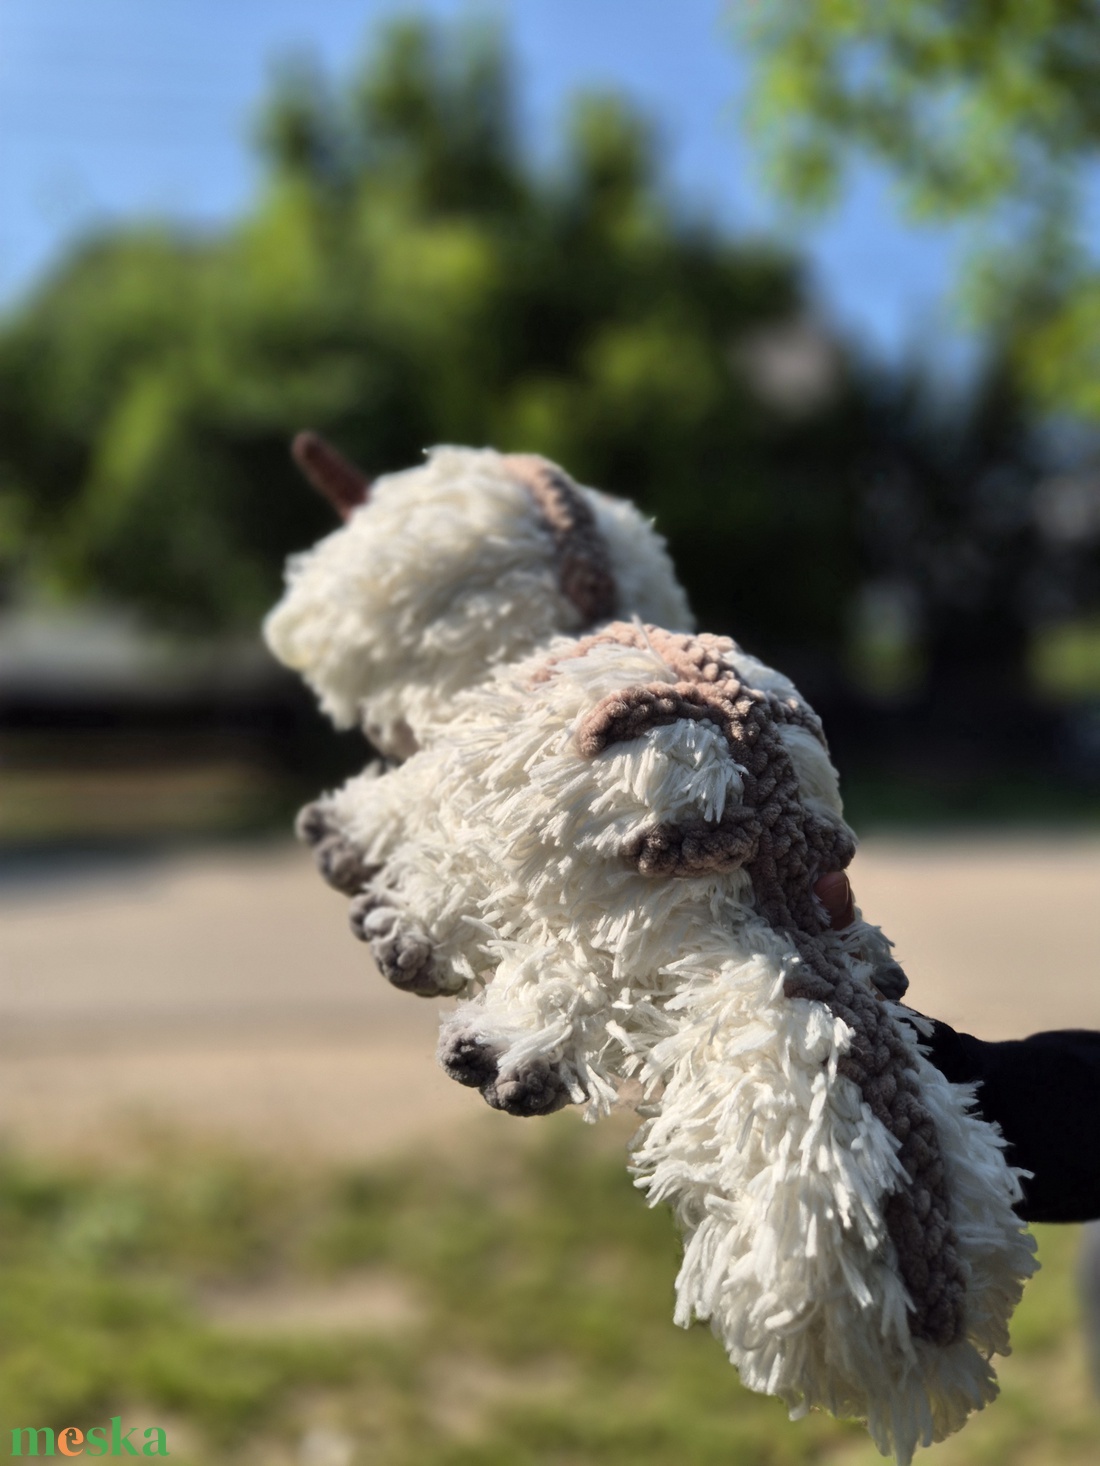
(443, 571)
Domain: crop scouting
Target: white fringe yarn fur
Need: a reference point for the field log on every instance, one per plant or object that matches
(446, 571)
(774, 1167)
(502, 845)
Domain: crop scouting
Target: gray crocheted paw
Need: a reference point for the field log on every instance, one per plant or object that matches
(890, 979)
(341, 864)
(468, 1060)
(399, 945)
(536, 1089)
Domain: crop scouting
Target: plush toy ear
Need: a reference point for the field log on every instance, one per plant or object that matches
(330, 473)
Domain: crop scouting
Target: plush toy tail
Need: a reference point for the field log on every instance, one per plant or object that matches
(334, 477)
(778, 1174)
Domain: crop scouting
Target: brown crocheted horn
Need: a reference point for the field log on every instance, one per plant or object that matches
(330, 473)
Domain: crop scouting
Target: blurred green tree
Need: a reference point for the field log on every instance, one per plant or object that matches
(986, 113)
(953, 542)
(407, 277)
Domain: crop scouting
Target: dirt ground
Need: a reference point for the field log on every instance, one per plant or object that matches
(221, 992)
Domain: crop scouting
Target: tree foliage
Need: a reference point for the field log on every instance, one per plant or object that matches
(988, 112)
(949, 525)
(407, 277)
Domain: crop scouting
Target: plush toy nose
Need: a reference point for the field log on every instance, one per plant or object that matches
(330, 473)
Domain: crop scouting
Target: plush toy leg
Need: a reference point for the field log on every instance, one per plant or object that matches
(471, 1051)
(400, 945)
(341, 863)
(354, 832)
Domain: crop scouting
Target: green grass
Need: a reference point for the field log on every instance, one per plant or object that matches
(521, 1314)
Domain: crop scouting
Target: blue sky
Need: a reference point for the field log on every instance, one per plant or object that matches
(115, 109)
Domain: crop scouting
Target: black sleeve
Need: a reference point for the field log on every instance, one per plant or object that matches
(1044, 1093)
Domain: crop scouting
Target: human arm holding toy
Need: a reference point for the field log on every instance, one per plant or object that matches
(1043, 1092)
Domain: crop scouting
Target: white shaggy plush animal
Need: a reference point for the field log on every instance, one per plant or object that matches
(607, 847)
(450, 569)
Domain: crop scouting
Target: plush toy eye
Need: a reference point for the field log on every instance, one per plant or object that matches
(330, 473)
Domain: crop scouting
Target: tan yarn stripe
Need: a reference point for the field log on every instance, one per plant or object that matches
(785, 849)
(584, 561)
(693, 658)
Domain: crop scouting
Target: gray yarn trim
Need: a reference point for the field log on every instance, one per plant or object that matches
(785, 849)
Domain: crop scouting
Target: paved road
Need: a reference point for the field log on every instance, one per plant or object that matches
(222, 993)
(999, 936)
(219, 992)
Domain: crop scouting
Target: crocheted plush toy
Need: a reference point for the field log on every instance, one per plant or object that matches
(450, 570)
(606, 846)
